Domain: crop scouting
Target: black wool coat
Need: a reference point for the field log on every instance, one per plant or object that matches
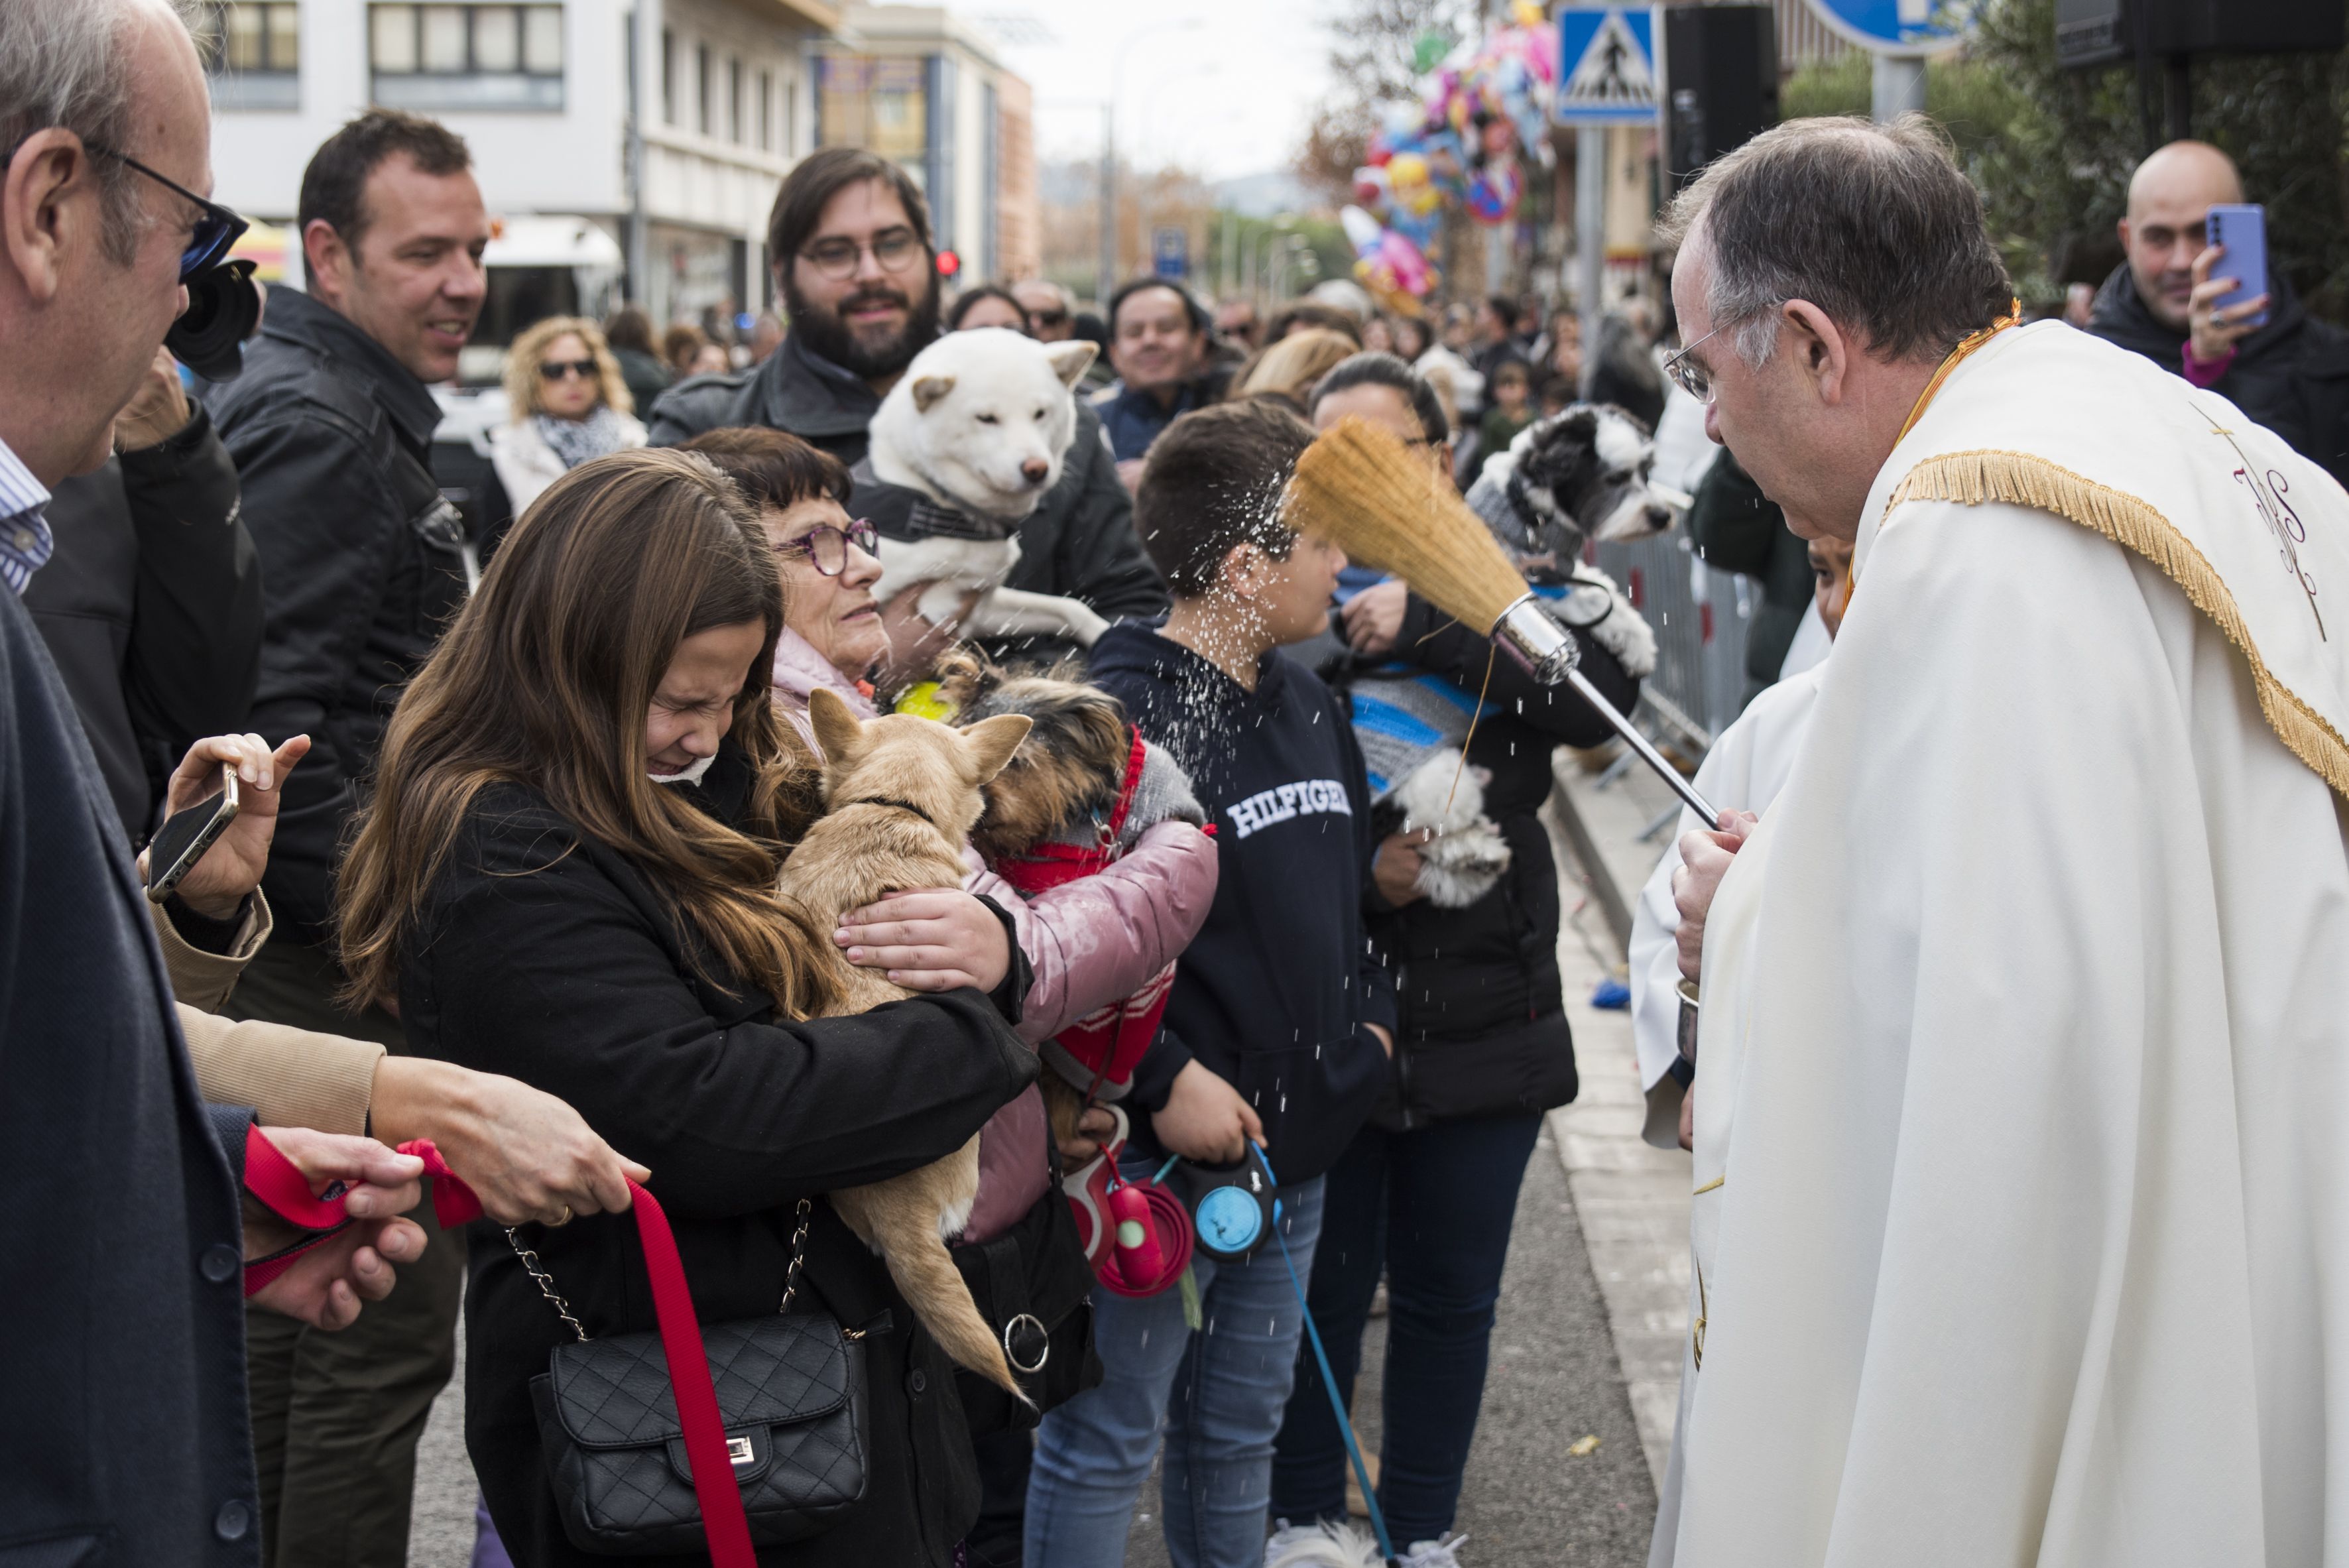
(151, 608)
(544, 955)
(1481, 1025)
(123, 1433)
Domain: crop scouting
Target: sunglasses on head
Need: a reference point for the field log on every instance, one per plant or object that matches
(560, 369)
(215, 232)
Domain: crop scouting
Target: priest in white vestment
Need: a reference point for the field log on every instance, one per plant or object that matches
(2021, 1221)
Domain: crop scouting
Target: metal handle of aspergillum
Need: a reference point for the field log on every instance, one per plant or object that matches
(1549, 654)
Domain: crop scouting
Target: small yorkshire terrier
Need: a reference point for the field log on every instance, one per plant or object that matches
(1052, 813)
(901, 795)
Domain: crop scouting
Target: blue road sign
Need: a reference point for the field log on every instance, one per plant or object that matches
(1170, 254)
(1607, 55)
(1893, 26)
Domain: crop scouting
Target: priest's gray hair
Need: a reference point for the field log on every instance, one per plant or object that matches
(1874, 224)
(67, 63)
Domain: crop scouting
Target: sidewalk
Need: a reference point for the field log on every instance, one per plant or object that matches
(1633, 1199)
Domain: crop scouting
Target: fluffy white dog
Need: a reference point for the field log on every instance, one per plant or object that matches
(977, 428)
(1467, 855)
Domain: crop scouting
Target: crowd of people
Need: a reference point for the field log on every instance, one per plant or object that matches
(514, 792)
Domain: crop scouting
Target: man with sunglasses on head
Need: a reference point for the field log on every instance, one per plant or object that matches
(362, 565)
(850, 242)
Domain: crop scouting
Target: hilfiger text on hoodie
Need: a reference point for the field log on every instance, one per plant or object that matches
(1285, 802)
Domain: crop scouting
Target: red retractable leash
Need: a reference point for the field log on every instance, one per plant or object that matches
(280, 1185)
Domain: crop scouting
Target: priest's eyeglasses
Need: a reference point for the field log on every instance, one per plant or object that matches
(1694, 377)
(826, 549)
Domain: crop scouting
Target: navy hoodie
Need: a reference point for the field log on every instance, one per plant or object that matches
(1273, 993)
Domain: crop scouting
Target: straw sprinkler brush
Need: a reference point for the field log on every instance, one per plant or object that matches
(1360, 486)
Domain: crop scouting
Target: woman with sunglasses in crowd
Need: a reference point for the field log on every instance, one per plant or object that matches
(566, 402)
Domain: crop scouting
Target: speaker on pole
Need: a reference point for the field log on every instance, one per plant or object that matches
(1720, 82)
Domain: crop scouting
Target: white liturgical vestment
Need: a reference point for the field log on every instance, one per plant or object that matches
(2021, 1169)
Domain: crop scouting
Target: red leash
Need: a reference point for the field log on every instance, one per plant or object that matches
(280, 1185)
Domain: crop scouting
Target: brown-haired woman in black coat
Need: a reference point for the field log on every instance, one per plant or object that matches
(566, 875)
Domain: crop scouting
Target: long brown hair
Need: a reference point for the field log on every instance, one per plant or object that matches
(544, 680)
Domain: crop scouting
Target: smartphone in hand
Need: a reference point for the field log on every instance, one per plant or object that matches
(186, 834)
(2243, 231)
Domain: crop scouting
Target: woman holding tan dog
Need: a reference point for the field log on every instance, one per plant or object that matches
(567, 874)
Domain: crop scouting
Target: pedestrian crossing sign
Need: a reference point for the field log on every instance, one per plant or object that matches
(1606, 56)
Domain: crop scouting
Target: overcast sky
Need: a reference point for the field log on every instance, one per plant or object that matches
(1221, 86)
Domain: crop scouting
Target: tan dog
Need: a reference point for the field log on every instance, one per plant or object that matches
(901, 795)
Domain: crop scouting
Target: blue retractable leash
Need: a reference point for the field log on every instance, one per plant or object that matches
(1330, 1386)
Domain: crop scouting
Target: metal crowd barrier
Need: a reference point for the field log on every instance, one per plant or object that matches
(1700, 617)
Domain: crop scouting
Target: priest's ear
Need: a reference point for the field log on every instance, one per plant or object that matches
(1821, 350)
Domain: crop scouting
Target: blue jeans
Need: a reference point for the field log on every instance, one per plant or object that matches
(1219, 1393)
(1432, 1207)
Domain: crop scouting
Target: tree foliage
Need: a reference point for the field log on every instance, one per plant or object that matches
(2052, 149)
(1374, 63)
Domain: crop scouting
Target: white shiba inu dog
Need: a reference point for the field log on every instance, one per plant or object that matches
(977, 428)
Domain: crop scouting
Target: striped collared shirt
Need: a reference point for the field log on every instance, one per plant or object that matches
(25, 541)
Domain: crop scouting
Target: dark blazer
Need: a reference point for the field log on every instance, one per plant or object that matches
(125, 1440)
(542, 955)
(1079, 541)
(151, 608)
(331, 437)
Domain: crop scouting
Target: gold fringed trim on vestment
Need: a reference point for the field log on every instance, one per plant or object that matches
(2022, 479)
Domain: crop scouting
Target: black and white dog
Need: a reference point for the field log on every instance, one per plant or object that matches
(1580, 475)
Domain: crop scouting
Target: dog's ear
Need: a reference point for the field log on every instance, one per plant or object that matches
(990, 742)
(929, 389)
(1070, 359)
(837, 731)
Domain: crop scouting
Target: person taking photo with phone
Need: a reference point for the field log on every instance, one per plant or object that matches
(2283, 366)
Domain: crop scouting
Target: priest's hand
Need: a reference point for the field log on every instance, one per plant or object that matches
(1705, 854)
(2215, 332)
(1688, 1117)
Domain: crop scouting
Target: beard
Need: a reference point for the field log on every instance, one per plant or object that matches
(825, 332)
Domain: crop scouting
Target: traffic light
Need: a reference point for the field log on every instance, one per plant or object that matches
(950, 264)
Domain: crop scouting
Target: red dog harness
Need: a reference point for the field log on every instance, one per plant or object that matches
(1108, 1042)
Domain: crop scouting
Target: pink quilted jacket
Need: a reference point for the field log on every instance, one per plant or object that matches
(1088, 942)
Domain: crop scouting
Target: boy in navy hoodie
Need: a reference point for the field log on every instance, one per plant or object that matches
(1279, 1024)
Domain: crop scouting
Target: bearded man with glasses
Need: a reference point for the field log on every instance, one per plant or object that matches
(855, 264)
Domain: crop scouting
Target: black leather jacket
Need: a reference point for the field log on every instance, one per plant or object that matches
(360, 560)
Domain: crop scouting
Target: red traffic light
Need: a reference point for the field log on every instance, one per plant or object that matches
(950, 264)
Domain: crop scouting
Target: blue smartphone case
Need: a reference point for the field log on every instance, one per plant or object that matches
(2244, 231)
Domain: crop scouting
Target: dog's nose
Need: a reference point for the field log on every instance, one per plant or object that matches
(1660, 517)
(1035, 469)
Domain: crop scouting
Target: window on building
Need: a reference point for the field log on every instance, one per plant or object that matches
(701, 93)
(765, 111)
(791, 145)
(252, 51)
(734, 101)
(668, 77)
(467, 56)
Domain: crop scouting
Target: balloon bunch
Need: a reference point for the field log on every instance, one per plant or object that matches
(1482, 110)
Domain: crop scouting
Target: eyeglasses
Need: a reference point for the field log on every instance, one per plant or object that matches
(563, 369)
(1047, 317)
(216, 231)
(1694, 377)
(826, 549)
(894, 249)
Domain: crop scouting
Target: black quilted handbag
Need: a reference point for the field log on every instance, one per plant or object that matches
(789, 1393)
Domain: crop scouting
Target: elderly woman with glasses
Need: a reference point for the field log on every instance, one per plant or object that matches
(1088, 942)
(566, 402)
